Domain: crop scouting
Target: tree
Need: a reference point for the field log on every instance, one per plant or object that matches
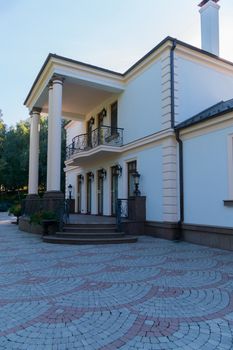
(2, 141)
(15, 156)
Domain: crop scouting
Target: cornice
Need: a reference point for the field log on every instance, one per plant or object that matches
(199, 56)
(54, 62)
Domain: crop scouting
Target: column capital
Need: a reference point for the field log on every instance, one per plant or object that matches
(56, 79)
(35, 110)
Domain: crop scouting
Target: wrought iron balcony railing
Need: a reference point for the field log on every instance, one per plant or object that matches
(104, 135)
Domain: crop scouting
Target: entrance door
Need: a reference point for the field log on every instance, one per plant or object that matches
(89, 183)
(114, 190)
(79, 194)
(100, 190)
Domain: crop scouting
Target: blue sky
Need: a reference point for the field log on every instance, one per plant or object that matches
(108, 33)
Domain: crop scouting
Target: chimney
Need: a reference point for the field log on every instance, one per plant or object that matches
(209, 10)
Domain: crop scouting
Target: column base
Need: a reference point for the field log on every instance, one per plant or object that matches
(32, 196)
(32, 204)
(53, 201)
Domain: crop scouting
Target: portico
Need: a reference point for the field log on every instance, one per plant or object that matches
(63, 91)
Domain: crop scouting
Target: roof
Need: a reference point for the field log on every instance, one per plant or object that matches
(168, 38)
(214, 111)
(205, 2)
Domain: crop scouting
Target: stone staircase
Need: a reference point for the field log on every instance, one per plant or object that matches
(89, 233)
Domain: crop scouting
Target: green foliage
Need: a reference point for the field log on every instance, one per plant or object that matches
(14, 160)
(16, 209)
(14, 155)
(40, 216)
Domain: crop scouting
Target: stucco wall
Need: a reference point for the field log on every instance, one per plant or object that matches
(75, 129)
(140, 104)
(206, 179)
(199, 87)
(149, 165)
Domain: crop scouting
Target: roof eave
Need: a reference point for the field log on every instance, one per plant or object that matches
(182, 125)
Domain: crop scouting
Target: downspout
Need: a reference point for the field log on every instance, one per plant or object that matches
(181, 177)
(172, 83)
(180, 143)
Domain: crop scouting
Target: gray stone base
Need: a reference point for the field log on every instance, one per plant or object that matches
(25, 225)
(53, 200)
(166, 230)
(133, 227)
(211, 236)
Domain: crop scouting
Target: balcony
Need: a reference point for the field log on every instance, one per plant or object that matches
(104, 139)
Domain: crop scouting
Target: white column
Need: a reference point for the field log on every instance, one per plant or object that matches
(50, 116)
(54, 136)
(34, 152)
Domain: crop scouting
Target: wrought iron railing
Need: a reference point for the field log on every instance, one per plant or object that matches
(104, 135)
(122, 211)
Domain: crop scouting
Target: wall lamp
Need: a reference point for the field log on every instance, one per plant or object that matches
(118, 170)
(104, 112)
(81, 177)
(136, 177)
(103, 173)
(70, 190)
(92, 120)
(91, 176)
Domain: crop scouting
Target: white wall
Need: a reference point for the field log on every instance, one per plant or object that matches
(75, 129)
(149, 164)
(139, 105)
(199, 87)
(206, 179)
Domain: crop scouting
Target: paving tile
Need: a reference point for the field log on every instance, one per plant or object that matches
(154, 294)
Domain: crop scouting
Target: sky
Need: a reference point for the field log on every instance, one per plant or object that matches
(112, 34)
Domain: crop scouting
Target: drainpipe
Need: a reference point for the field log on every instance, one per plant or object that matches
(172, 84)
(180, 143)
(181, 177)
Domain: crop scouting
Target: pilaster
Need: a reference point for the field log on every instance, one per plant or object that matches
(166, 88)
(170, 187)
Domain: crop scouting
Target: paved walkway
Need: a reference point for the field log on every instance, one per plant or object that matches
(153, 294)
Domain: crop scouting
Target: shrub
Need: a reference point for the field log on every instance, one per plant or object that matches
(16, 210)
(40, 216)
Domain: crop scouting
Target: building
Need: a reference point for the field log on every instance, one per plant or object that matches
(168, 118)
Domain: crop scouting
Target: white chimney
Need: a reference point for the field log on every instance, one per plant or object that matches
(210, 26)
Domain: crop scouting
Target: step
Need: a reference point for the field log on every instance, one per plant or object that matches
(109, 226)
(94, 229)
(98, 234)
(64, 240)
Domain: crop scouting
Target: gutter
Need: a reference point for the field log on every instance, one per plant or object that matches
(172, 69)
